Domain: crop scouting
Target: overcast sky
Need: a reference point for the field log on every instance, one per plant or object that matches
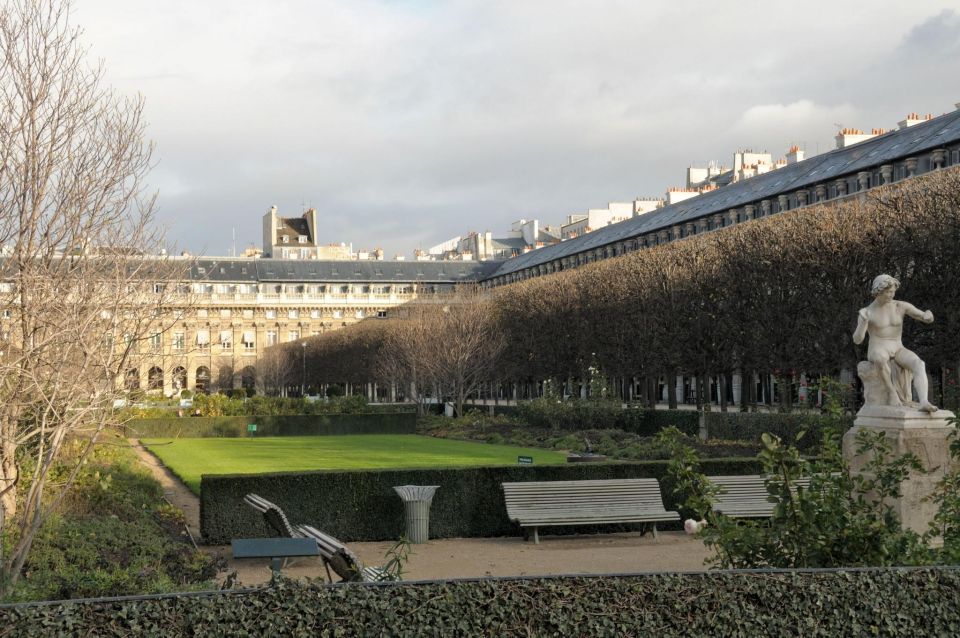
(405, 123)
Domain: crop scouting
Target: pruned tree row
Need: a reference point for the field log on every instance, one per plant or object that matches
(774, 296)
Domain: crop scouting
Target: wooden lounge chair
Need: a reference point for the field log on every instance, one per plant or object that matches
(335, 555)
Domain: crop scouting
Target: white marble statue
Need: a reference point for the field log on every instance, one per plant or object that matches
(883, 321)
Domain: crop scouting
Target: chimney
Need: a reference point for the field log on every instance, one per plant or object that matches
(794, 155)
(849, 136)
(910, 120)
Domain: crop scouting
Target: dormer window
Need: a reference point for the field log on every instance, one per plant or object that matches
(302, 239)
(286, 239)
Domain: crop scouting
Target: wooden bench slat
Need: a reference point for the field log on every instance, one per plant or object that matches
(593, 501)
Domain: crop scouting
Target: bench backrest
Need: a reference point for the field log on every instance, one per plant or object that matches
(536, 495)
(343, 561)
(272, 514)
(749, 489)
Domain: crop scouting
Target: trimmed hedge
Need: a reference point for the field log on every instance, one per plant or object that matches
(748, 426)
(362, 505)
(291, 425)
(887, 602)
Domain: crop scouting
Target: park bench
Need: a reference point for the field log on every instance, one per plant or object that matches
(745, 496)
(539, 504)
(335, 555)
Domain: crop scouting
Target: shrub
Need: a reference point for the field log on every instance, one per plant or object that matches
(114, 535)
(284, 425)
(362, 505)
(892, 602)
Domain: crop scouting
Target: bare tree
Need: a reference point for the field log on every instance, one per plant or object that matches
(464, 347)
(277, 370)
(77, 295)
(402, 356)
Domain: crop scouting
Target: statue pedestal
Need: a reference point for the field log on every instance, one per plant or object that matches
(908, 430)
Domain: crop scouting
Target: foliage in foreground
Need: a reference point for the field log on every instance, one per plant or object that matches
(841, 519)
(115, 535)
(891, 602)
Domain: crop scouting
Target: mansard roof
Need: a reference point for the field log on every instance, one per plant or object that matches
(893, 145)
(295, 270)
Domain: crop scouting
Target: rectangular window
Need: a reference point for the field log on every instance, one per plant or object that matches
(359, 314)
(178, 341)
(293, 314)
(271, 314)
(155, 341)
(955, 157)
(381, 314)
(225, 313)
(337, 314)
(202, 313)
(226, 339)
(271, 338)
(158, 288)
(6, 314)
(314, 314)
(248, 314)
(249, 340)
(302, 239)
(294, 335)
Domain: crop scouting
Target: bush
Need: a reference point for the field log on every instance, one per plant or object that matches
(751, 426)
(114, 535)
(891, 602)
(362, 505)
(577, 414)
(297, 425)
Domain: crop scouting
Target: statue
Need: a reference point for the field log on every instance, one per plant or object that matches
(883, 321)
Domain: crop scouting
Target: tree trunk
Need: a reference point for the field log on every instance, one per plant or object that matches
(722, 385)
(672, 390)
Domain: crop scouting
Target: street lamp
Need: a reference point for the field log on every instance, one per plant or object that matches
(303, 370)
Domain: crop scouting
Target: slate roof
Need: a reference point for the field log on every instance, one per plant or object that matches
(897, 144)
(283, 270)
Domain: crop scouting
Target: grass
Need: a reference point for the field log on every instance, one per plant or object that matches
(189, 458)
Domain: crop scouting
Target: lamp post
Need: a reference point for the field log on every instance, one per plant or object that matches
(303, 370)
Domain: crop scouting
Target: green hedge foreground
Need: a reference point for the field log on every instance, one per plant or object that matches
(362, 505)
(288, 425)
(887, 602)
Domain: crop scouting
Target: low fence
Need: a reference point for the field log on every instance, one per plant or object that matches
(362, 505)
(891, 602)
(289, 425)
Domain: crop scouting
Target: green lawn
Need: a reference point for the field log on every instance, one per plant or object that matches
(189, 458)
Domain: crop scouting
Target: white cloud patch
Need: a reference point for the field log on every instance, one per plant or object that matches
(405, 119)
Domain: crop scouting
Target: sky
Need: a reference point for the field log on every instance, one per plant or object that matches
(407, 123)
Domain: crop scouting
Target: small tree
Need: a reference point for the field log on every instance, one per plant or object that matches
(77, 293)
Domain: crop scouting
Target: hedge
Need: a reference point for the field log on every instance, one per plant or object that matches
(886, 602)
(748, 426)
(362, 505)
(289, 425)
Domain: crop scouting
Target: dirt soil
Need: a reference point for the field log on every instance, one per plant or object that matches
(468, 557)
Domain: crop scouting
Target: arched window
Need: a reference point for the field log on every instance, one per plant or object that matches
(179, 378)
(132, 381)
(203, 379)
(155, 378)
(248, 378)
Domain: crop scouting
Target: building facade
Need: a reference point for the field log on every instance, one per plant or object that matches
(219, 322)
